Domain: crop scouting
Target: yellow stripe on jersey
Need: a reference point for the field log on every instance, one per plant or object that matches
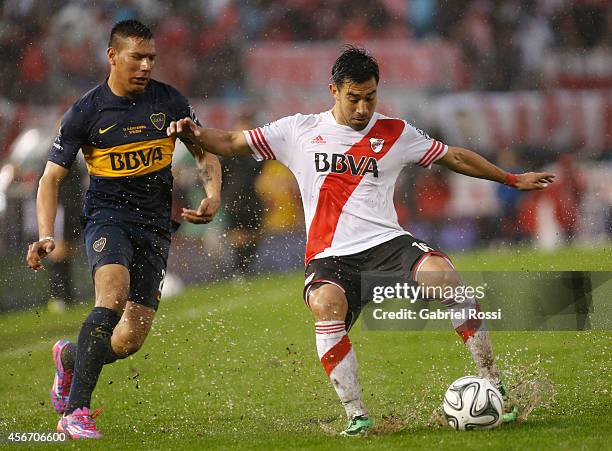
(137, 158)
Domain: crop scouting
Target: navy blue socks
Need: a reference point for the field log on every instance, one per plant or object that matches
(93, 351)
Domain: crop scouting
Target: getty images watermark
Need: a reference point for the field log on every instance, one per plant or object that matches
(450, 296)
(569, 300)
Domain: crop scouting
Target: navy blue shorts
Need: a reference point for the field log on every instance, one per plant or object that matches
(143, 251)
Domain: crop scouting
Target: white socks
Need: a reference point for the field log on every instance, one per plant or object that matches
(338, 358)
(479, 346)
(476, 338)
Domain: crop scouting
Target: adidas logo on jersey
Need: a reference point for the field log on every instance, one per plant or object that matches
(318, 140)
(346, 163)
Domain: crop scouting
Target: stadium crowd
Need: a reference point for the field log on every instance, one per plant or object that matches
(58, 46)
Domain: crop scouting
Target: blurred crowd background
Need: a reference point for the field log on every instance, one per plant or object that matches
(526, 83)
(58, 47)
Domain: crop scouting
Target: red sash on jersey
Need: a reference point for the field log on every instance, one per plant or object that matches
(338, 188)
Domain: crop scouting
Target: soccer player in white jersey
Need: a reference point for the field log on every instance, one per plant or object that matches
(346, 161)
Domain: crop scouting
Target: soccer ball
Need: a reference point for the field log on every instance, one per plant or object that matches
(473, 403)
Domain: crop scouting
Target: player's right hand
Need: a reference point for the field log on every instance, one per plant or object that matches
(183, 128)
(37, 251)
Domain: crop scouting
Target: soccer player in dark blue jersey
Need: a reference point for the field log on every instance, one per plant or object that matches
(120, 126)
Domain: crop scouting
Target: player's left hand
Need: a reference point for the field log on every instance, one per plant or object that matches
(205, 212)
(534, 180)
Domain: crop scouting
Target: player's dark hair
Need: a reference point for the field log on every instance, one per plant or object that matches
(129, 29)
(354, 64)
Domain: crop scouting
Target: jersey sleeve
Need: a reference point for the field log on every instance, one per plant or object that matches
(273, 141)
(72, 135)
(184, 109)
(420, 149)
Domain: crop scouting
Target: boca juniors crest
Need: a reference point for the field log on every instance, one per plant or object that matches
(98, 245)
(158, 120)
(377, 144)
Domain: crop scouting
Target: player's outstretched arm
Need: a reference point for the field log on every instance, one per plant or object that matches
(46, 209)
(470, 163)
(219, 142)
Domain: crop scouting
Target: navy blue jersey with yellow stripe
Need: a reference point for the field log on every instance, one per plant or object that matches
(127, 152)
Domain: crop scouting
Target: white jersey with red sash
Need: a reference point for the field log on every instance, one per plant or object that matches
(346, 177)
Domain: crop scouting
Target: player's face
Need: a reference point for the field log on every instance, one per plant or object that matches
(355, 103)
(133, 62)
